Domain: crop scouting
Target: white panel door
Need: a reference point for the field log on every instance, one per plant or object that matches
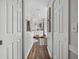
(11, 29)
(60, 29)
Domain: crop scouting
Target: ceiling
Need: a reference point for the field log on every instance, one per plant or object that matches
(39, 2)
(37, 8)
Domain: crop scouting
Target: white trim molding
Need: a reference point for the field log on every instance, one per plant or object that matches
(73, 49)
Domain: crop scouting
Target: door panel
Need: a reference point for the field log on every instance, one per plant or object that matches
(9, 17)
(9, 32)
(9, 51)
(61, 29)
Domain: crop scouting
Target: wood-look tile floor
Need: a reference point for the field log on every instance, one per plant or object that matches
(38, 52)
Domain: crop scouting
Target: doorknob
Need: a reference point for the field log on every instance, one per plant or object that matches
(0, 42)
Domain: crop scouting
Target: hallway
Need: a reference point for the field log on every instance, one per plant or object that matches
(38, 52)
(38, 29)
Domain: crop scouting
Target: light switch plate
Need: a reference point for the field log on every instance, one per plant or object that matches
(74, 27)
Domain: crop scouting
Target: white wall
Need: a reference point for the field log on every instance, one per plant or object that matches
(73, 35)
(74, 20)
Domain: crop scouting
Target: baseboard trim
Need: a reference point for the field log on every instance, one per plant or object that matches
(73, 49)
